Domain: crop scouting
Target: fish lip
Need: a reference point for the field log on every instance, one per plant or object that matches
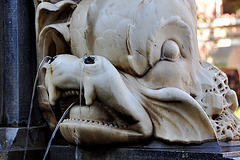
(86, 133)
(82, 131)
(112, 117)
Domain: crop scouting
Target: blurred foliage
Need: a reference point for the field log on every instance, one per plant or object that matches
(237, 113)
(238, 13)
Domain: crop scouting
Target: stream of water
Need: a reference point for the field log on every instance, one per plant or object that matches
(80, 100)
(76, 149)
(31, 105)
(56, 129)
(64, 114)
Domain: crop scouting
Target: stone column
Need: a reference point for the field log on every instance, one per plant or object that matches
(1, 64)
(10, 63)
(18, 60)
(17, 74)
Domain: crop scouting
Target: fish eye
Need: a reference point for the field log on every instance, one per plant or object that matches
(170, 51)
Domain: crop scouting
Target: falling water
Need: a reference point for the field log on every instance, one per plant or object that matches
(80, 82)
(76, 149)
(64, 114)
(56, 129)
(80, 100)
(31, 105)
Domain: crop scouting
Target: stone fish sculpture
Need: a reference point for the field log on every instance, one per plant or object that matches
(145, 78)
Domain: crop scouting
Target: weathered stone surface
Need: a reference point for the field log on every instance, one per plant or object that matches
(1, 66)
(18, 62)
(155, 150)
(13, 140)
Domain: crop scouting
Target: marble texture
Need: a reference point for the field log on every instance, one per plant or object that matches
(145, 77)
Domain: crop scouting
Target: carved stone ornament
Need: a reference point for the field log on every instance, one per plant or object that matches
(142, 76)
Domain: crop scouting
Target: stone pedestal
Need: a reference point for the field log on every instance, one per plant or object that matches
(152, 151)
(13, 140)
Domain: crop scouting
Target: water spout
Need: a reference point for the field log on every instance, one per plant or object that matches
(56, 129)
(80, 102)
(31, 105)
(89, 60)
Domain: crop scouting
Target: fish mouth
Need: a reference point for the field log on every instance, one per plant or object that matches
(85, 125)
(97, 113)
(107, 109)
